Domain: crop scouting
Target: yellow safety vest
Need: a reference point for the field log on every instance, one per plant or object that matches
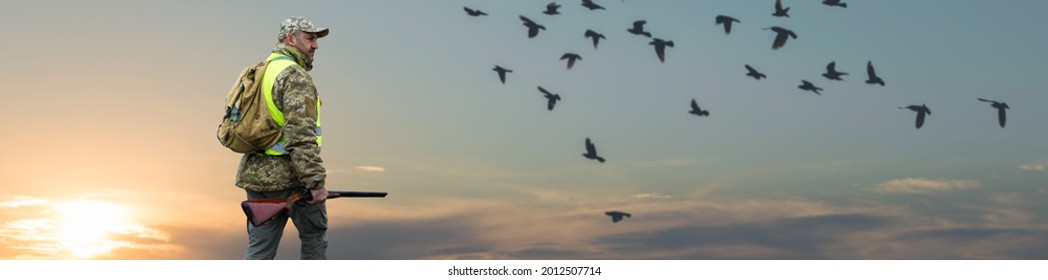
(277, 63)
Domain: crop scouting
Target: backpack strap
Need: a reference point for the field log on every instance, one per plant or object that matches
(276, 63)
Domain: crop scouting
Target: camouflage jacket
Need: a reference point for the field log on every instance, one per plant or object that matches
(296, 96)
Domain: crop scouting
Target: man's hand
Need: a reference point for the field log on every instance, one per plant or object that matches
(319, 195)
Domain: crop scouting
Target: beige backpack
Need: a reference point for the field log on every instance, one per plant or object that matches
(247, 126)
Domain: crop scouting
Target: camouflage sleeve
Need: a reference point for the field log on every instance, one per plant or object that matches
(300, 115)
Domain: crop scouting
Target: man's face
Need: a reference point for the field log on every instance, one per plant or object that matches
(304, 42)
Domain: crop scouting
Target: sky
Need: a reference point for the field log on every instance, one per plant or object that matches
(113, 108)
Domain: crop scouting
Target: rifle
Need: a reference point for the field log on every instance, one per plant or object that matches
(260, 211)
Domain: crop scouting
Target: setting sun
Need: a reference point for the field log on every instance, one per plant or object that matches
(85, 225)
(79, 229)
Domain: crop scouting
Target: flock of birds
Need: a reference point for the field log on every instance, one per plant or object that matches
(782, 35)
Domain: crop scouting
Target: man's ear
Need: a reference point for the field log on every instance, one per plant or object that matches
(289, 40)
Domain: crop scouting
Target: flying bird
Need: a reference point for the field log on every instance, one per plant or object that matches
(1001, 106)
(660, 48)
(533, 28)
(696, 111)
(831, 72)
(595, 36)
(551, 96)
(551, 9)
(571, 57)
(638, 28)
(873, 79)
(502, 73)
(616, 216)
(591, 151)
(592, 6)
(726, 21)
(837, 3)
(781, 35)
(779, 11)
(753, 73)
(473, 12)
(921, 111)
(806, 85)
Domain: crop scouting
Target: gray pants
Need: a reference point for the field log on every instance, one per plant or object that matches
(311, 222)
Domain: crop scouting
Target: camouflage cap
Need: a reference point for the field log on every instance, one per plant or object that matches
(299, 23)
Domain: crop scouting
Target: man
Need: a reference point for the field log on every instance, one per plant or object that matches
(293, 163)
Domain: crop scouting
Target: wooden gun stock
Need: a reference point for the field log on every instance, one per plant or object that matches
(260, 211)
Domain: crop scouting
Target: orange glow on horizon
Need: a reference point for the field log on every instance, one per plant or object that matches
(85, 226)
(77, 229)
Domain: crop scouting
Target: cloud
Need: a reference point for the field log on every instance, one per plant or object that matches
(1032, 167)
(440, 238)
(1007, 198)
(371, 168)
(922, 185)
(667, 229)
(970, 243)
(664, 163)
(35, 228)
(699, 228)
(535, 227)
(1007, 217)
(785, 238)
(651, 195)
(23, 201)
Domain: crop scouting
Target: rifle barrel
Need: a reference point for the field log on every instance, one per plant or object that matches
(334, 194)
